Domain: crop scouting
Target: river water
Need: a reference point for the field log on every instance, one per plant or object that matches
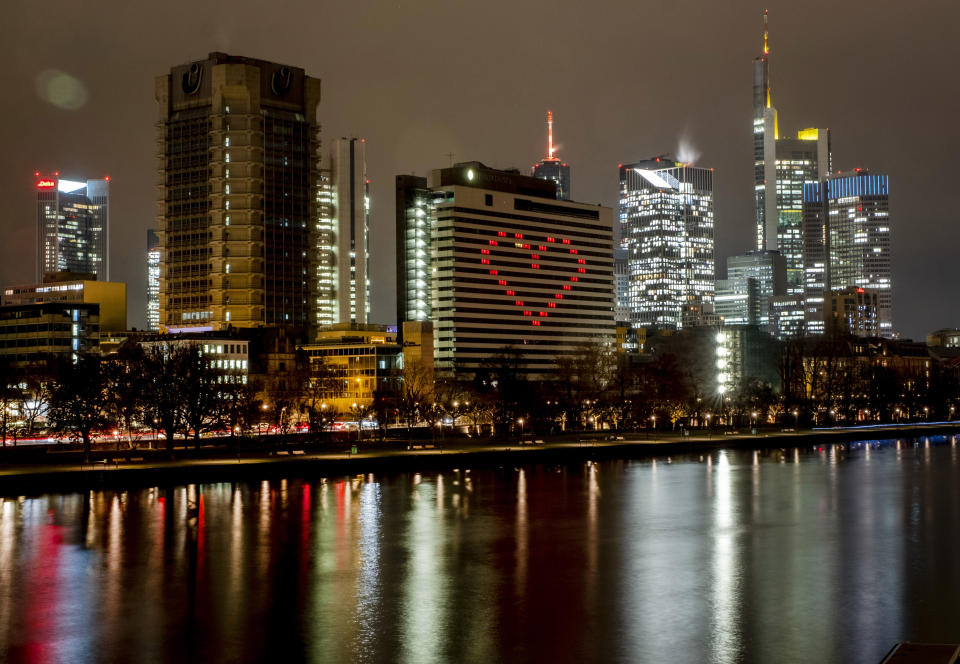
(823, 554)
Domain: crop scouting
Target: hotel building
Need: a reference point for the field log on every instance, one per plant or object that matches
(510, 265)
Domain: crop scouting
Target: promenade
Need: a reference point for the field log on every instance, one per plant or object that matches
(137, 468)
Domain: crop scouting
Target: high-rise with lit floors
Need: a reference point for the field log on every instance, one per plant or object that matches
(551, 168)
(343, 265)
(153, 281)
(847, 243)
(666, 227)
(73, 224)
(237, 144)
(781, 166)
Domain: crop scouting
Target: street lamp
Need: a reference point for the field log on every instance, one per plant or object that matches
(796, 418)
(521, 427)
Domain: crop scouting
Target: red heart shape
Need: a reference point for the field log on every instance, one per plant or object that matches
(534, 306)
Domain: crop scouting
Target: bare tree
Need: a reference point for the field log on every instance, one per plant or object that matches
(79, 397)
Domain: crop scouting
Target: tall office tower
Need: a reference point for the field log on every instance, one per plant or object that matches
(846, 242)
(769, 270)
(764, 148)
(551, 168)
(73, 224)
(666, 221)
(153, 281)
(513, 266)
(781, 166)
(802, 159)
(345, 234)
(237, 143)
(351, 201)
(413, 208)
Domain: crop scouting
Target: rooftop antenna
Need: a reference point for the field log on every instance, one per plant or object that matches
(450, 156)
(550, 135)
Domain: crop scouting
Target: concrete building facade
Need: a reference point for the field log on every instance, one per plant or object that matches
(237, 145)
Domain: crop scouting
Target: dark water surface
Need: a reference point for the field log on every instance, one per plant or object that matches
(812, 555)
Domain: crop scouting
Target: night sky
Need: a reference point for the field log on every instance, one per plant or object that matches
(421, 79)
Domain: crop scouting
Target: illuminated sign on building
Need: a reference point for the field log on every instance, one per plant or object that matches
(46, 184)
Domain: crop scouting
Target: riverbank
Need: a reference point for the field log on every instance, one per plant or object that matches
(294, 460)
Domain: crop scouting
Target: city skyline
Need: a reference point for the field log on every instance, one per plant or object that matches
(714, 120)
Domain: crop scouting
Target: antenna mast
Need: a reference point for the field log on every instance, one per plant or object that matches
(550, 135)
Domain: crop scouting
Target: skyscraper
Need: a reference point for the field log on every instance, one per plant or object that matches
(153, 280)
(343, 266)
(846, 242)
(509, 266)
(551, 168)
(666, 221)
(781, 166)
(764, 148)
(237, 143)
(73, 224)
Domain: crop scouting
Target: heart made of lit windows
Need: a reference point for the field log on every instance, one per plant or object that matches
(535, 307)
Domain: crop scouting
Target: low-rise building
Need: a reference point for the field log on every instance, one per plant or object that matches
(71, 288)
(31, 332)
(354, 361)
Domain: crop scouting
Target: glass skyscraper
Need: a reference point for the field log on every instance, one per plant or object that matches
(73, 223)
(781, 166)
(666, 224)
(846, 221)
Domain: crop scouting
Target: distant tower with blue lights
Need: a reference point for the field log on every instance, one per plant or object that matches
(846, 243)
(551, 168)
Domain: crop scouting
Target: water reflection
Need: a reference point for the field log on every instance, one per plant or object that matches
(822, 554)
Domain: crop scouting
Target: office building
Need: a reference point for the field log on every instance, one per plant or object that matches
(29, 333)
(787, 319)
(666, 221)
(799, 160)
(237, 145)
(781, 166)
(945, 338)
(745, 354)
(357, 360)
(153, 281)
(767, 270)
(513, 266)
(551, 168)
(343, 236)
(852, 311)
(736, 301)
(847, 242)
(68, 289)
(73, 224)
